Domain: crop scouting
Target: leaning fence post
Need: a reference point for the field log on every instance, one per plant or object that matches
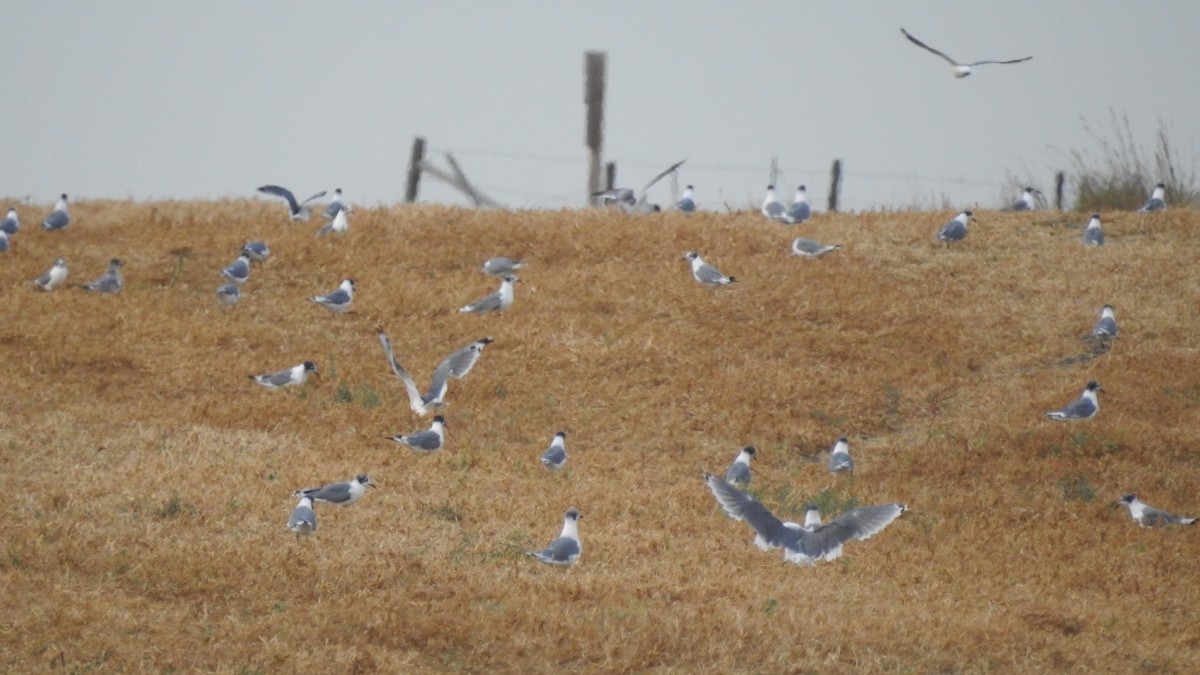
(835, 185)
(414, 170)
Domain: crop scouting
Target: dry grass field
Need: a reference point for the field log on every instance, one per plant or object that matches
(148, 481)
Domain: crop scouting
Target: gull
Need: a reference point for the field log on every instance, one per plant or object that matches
(303, 520)
(1156, 202)
(1148, 516)
(499, 301)
(337, 301)
(54, 277)
(59, 217)
(339, 225)
(3, 241)
(238, 271)
(687, 202)
(335, 205)
(808, 544)
(811, 248)
(110, 282)
(772, 208)
(800, 210)
(11, 222)
(705, 273)
(298, 211)
(632, 202)
(1092, 234)
(1083, 408)
(555, 456)
(955, 230)
(1106, 326)
(341, 494)
(287, 377)
(960, 69)
(565, 550)
(457, 365)
(739, 471)
(839, 457)
(1026, 201)
(501, 266)
(428, 440)
(229, 294)
(257, 251)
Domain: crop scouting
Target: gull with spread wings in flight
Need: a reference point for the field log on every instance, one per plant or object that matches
(960, 69)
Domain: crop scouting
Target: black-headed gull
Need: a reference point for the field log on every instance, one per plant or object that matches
(427, 440)
(303, 519)
(339, 494)
(339, 300)
(1148, 516)
(705, 273)
(297, 210)
(110, 282)
(499, 301)
(54, 277)
(457, 365)
(1083, 408)
(567, 548)
(1156, 202)
(288, 377)
(60, 217)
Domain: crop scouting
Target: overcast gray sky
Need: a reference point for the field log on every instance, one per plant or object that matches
(154, 100)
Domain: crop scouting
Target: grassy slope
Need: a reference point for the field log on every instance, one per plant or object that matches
(148, 481)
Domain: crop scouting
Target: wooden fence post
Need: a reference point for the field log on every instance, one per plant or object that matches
(593, 97)
(414, 170)
(774, 171)
(1059, 179)
(835, 185)
(610, 176)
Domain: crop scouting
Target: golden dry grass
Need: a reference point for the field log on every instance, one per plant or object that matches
(148, 481)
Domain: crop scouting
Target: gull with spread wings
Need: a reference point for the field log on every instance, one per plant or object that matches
(960, 69)
(457, 365)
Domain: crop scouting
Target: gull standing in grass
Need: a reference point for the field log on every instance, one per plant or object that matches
(339, 300)
(499, 301)
(565, 550)
(339, 494)
(1083, 408)
(1092, 234)
(839, 457)
(1026, 201)
(11, 222)
(336, 205)
(635, 203)
(229, 294)
(297, 210)
(1156, 202)
(960, 69)
(956, 229)
(110, 282)
(3, 242)
(238, 271)
(428, 440)
(288, 377)
(60, 217)
(772, 208)
(555, 456)
(808, 544)
(256, 251)
(1148, 516)
(303, 520)
(339, 225)
(705, 273)
(54, 277)
(501, 266)
(687, 201)
(1106, 326)
(811, 248)
(739, 471)
(457, 365)
(799, 211)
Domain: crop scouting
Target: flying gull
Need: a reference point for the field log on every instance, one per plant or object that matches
(1156, 202)
(960, 69)
(739, 472)
(298, 210)
(1148, 516)
(811, 248)
(555, 456)
(705, 273)
(11, 222)
(59, 217)
(808, 544)
(635, 203)
(1092, 234)
(499, 301)
(238, 271)
(339, 225)
(339, 300)
(303, 520)
(839, 457)
(457, 365)
(287, 377)
(1083, 408)
(428, 440)
(110, 282)
(54, 277)
(229, 294)
(501, 266)
(687, 201)
(565, 550)
(955, 230)
(340, 494)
